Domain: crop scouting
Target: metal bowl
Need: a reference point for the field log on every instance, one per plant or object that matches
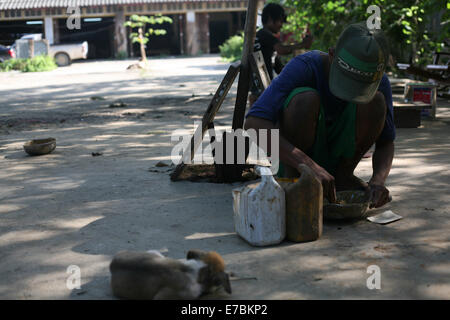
(40, 146)
(352, 204)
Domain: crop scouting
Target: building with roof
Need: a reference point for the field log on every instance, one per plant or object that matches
(199, 26)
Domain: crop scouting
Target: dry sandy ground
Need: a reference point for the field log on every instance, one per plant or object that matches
(70, 208)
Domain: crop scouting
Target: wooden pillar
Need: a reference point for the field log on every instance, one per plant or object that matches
(56, 34)
(181, 25)
(48, 28)
(120, 33)
(202, 20)
(192, 42)
(30, 48)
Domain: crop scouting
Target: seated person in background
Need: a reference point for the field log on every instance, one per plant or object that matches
(330, 109)
(273, 17)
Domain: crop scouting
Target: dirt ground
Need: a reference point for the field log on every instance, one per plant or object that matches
(71, 208)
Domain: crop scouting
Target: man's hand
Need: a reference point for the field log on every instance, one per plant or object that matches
(327, 180)
(379, 195)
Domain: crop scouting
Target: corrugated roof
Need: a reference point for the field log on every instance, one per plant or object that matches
(34, 4)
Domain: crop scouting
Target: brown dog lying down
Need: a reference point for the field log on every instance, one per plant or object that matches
(150, 275)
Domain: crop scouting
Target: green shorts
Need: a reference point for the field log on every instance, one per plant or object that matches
(332, 142)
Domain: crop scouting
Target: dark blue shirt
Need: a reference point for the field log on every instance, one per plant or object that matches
(306, 70)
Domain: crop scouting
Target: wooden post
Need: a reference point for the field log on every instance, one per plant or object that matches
(47, 45)
(181, 28)
(244, 76)
(120, 33)
(31, 48)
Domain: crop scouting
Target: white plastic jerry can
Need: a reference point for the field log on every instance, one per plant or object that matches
(259, 210)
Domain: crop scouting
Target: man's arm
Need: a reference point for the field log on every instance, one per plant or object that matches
(293, 156)
(382, 164)
(283, 49)
(384, 151)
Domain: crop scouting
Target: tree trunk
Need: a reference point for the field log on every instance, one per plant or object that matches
(141, 41)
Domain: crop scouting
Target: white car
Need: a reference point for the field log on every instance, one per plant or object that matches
(64, 54)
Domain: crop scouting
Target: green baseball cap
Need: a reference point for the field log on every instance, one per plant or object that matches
(359, 62)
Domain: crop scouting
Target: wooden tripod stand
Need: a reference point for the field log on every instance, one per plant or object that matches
(250, 61)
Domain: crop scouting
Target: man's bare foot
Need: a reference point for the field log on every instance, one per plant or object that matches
(351, 183)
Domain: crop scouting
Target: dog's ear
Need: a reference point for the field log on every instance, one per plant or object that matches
(225, 281)
(196, 254)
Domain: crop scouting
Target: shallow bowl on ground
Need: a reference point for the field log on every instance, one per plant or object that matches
(40, 146)
(352, 204)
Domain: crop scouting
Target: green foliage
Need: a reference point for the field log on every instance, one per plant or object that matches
(231, 50)
(12, 64)
(36, 64)
(137, 22)
(40, 63)
(407, 23)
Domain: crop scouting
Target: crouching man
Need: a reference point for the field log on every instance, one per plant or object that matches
(330, 109)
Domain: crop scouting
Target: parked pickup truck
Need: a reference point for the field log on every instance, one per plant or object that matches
(64, 54)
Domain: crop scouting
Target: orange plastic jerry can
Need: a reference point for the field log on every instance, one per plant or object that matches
(304, 207)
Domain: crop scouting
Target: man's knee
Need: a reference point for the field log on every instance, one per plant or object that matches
(299, 120)
(303, 106)
(309, 100)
